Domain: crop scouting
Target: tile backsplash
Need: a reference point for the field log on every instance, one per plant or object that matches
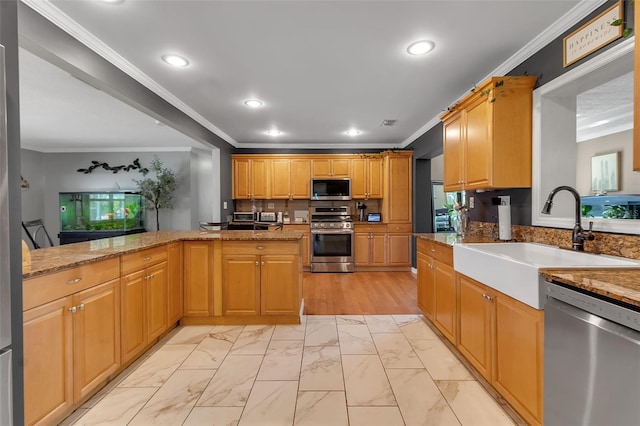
(611, 244)
(373, 206)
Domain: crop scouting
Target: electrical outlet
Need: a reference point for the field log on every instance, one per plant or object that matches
(505, 200)
(271, 206)
(472, 203)
(224, 205)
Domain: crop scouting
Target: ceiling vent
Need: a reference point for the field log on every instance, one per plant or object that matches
(387, 123)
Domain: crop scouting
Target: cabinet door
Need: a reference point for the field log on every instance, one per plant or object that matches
(260, 178)
(156, 300)
(519, 355)
(96, 336)
(426, 290)
(279, 285)
(241, 178)
(445, 300)
(198, 279)
(300, 179)
(374, 178)
(133, 319)
(378, 249)
(398, 198)
(281, 178)
(321, 168)
(476, 317)
(453, 155)
(359, 187)
(361, 248)
(478, 145)
(240, 284)
(48, 361)
(306, 250)
(399, 250)
(175, 291)
(340, 167)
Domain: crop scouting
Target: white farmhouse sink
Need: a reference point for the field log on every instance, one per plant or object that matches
(512, 268)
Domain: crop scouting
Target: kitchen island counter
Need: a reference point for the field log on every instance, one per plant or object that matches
(57, 258)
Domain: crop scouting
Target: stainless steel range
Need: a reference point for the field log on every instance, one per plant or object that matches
(332, 242)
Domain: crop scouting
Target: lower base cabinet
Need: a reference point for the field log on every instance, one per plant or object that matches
(503, 339)
(71, 345)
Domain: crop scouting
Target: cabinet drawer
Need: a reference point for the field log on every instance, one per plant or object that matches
(260, 247)
(382, 228)
(404, 228)
(437, 251)
(45, 288)
(141, 259)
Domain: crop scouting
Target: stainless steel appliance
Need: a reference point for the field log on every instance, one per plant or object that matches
(331, 189)
(332, 241)
(267, 217)
(591, 359)
(6, 417)
(244, 217)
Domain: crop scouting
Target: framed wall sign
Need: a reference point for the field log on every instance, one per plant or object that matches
(605, 172)
(593, 35)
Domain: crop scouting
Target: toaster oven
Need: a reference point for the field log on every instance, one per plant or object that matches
(244, 216)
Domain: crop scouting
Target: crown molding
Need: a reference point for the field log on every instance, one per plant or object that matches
(46, 150)
(561, 25)
(61, 20)
(299, 145)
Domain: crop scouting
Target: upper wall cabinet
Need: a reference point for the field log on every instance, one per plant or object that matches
(487, 136)
(290, 178)
(366, 177)
(250, 178)
(331, 167)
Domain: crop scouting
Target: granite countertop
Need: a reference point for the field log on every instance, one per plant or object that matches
(56, 258)
(616, 283)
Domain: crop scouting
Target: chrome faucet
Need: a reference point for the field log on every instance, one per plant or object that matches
(579, 235)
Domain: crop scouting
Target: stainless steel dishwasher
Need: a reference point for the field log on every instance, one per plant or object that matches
(591, 360)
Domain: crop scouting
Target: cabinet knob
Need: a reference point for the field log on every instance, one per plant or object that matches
(259, 247)
(74, 281)
(81, 307)
(262, 263)
(146, 259)
(73, 309)
(257, 263)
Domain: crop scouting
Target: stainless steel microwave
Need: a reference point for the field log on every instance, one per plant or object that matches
(331, 189)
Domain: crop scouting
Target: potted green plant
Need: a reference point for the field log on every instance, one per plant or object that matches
(158, 191)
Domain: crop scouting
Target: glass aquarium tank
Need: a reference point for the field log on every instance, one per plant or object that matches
(88, 216)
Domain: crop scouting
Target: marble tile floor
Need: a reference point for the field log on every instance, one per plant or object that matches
(328, 371)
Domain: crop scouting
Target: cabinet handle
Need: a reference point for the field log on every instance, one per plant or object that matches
(432, 249)
(262, 263)
(146, 259)
(73, 309)
(257, 263)
(74, 281)
(151, 276)
(486, 296)
(259, 247)
(81, 307)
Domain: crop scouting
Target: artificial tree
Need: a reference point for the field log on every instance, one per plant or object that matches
(158, 192)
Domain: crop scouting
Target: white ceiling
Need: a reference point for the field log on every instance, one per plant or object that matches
(321, 67)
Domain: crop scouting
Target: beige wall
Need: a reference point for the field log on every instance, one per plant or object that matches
(623, 142)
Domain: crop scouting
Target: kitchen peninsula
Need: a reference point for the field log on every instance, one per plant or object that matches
(91, 308)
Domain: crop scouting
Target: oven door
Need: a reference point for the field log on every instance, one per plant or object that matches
(332, 246)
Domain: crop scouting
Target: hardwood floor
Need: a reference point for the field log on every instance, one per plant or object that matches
(360, 293)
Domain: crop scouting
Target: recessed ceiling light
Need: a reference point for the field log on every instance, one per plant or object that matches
(253, 103)
(273, 132)
(352, 132)
(112, 1)
(420, 47)
(175, 60)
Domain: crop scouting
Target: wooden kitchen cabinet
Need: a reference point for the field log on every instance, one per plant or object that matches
(331, 168)
(476, 324)
(398, 179)
(251, 177)
(399, 244)
(305, 255)
(366, 178)
(144, 299)
(487, 136)
(175, 291)
(198, 278)
(290, 178)
(370, 245)
(503, 339)
(71, 335)
(437, 286)
(261, 278)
